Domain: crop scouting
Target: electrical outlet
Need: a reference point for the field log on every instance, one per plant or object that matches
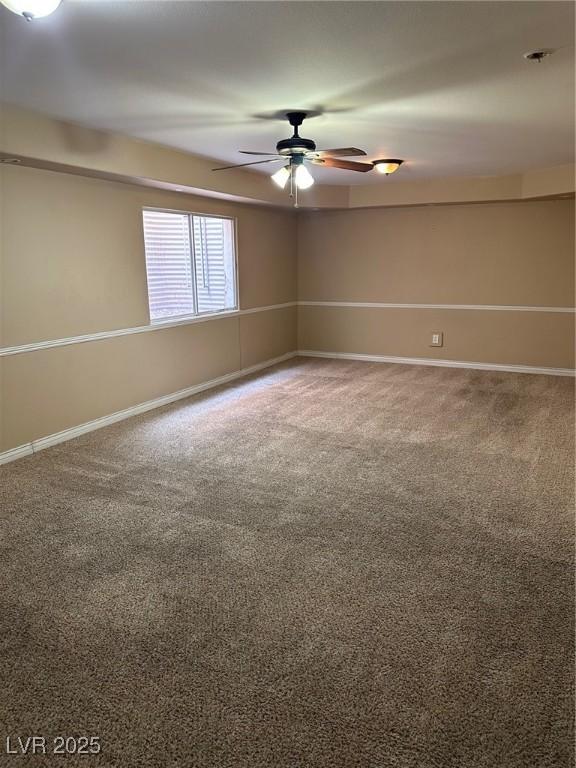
(437, 339)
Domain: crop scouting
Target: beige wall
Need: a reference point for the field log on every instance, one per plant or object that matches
(504, 253)
(519, 254)
(72, 263)
(53, 389)
(507, 338)
(266, 335)
(73, 254)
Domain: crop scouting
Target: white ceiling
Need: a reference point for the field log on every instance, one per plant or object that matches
(441, 84)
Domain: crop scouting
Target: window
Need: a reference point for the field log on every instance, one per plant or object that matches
(190, 264)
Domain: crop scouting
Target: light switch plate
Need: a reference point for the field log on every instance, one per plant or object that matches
(437, 339)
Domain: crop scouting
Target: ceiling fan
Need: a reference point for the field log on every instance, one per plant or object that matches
(298, 151)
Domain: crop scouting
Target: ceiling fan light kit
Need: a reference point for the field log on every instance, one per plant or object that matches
(31, 9)
(296, 169)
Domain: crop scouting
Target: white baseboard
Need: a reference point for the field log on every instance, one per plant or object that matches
(69, 434)
(440, 363)
(16, 453)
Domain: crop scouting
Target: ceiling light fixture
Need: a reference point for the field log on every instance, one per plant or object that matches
(31, 9)
(298, 175)
(298, 152)
(387, 166)
(538, 55)
(303, 177)
(281, 177)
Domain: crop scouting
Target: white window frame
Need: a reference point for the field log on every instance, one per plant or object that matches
(209, 313)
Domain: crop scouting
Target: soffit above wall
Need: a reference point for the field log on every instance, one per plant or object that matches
(442, 84)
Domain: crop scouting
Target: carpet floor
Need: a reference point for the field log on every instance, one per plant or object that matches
(329, 565)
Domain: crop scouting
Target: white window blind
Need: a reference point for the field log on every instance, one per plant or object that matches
(214, 263)
(168, 265)
(190, 264)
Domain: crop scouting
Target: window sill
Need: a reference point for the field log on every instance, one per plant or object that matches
(188, 319)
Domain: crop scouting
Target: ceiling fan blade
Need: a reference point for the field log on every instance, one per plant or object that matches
(342, 152)
(345, 165)
(241, 165)
(246, 152)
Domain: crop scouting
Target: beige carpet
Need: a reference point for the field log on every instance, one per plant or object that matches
(332, 565)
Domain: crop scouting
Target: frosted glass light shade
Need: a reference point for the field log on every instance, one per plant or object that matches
(387, 166)
(281, 177)
(32, 9)
(303, 177)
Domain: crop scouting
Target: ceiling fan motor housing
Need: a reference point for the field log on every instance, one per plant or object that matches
(295, 145)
